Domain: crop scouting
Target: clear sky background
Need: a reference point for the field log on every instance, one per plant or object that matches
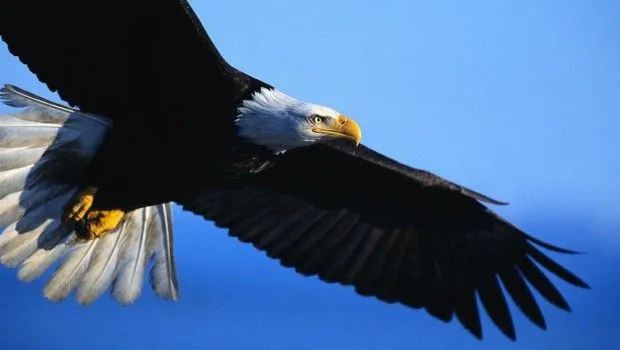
(520, 101)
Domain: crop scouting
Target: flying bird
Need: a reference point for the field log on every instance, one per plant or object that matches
(155, 115)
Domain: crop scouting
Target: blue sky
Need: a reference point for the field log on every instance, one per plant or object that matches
(519, 101)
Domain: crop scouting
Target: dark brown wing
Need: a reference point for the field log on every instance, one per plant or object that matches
(353, 216)
(124, 58)
(147, 65)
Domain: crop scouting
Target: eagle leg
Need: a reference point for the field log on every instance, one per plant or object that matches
(91, 224)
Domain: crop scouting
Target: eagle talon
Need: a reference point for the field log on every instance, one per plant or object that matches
(80, 205)
(91, 224)
(97, 223)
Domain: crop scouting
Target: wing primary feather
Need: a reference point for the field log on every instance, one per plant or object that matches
(466, 307)
(545, 245)
(554, 267)
(461, 285)
(533, 274)
(495, 304)
(521, 295)
(551, 246)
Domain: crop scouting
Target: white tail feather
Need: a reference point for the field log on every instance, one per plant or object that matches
(21, 247)
(163, 275)
(10, 210)
(103, 265)
(33, 236)
(18, 249)
(8, 234)
(36, 108)
(27, 134)
(128, 284)
(44, 257)
(13, 158)
(13, 180)
(70, 272)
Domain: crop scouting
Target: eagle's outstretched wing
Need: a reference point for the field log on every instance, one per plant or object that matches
(353, 216)
(153, 59)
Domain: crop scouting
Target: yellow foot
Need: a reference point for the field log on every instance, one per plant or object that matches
(91, 224)
(99, 222)
(80, 204)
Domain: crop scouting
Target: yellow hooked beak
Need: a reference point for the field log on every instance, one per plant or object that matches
(344, 127)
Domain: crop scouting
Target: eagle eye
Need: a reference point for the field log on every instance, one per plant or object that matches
(315, 119)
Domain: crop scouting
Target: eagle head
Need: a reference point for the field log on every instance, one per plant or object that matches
(280, 122)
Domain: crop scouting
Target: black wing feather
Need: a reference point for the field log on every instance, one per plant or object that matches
(147, 65)
(353, 216)
(149, 57)
(521, 295)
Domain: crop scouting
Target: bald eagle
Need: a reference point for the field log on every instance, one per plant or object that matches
(157, 116)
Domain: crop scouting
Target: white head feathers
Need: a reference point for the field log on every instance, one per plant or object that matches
(278, 121)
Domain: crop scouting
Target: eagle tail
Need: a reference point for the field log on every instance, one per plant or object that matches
(44, 151)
